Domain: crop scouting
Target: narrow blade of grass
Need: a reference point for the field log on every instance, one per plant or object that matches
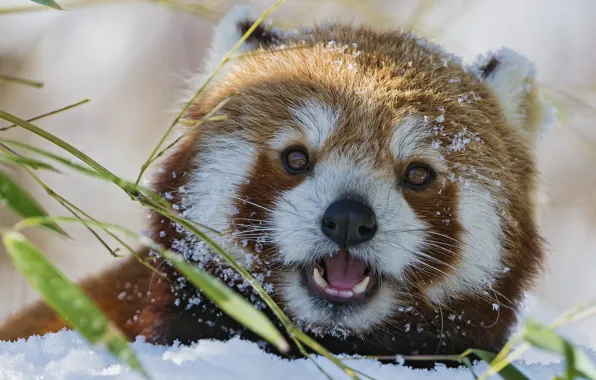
(20, 201)
(230, 302)
(59, 142)
(54, 112)
(30, 162)
(26, 82)
(509, 372)
(543, 337)
(64, 161)
(126, 185)
(68, 299)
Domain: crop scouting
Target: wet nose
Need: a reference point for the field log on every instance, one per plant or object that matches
(349, 222)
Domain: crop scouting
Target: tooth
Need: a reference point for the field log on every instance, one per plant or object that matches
(319, 279)
(331, 291)
(361, 286)
(346, 293)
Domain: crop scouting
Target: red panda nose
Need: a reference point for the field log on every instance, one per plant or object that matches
(349, 222)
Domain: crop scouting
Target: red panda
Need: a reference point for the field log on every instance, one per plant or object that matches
(383, 193)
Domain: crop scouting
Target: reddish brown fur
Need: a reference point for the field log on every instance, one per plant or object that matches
(395, 77)
(119, 291)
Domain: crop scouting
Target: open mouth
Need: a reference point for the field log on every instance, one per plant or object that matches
(341, 278)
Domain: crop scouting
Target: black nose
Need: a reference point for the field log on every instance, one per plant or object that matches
(349, 222)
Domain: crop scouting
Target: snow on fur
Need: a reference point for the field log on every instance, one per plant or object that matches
(66, 356)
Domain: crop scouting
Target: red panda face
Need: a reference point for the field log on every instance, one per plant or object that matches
(361, 176)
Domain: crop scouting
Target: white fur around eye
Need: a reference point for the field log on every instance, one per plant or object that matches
(314, 122)
(410, 140)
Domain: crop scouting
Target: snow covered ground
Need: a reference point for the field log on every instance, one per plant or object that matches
(101, 62)
(65, 356)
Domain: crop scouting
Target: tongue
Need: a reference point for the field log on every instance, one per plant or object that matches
(343, 270)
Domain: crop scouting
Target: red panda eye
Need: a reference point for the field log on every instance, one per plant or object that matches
(418, 176)
(295, 160)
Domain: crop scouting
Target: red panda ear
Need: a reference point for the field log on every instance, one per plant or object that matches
(511, 77)
(230, 30)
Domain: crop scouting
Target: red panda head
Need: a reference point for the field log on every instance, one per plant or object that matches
(360, 173)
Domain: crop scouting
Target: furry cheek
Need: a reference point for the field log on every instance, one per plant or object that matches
(223, 164)
(480, 260)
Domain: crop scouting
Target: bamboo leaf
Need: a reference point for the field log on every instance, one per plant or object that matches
(68, 299)
(124, 184)
(48, 3)
(229, 301)
(509, 372)
(541, 336)
(32, 163)
(21, 202)
(59, 142)
(64, 161)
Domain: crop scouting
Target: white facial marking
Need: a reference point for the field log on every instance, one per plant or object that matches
(225, 163)
(315, 122)
(410, 138)
(407, 137)
(480, 250)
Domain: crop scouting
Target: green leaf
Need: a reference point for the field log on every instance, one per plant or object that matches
(48, 3)
(73, 165)
(124, 184)
(31, 162)
(508, 373)
(68, 299)
(127, 185)
(541, 336)
(229, 301)
(21, 202)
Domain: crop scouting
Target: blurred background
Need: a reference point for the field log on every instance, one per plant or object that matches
(133, 58)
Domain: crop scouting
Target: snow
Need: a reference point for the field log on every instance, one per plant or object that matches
(66, 356)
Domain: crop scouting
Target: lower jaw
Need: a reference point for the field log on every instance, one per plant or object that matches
(356, 299)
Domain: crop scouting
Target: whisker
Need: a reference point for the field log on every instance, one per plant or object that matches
(152, 277)
(442, 243)
(426, 256)
(498, 310)
(288, 202)
(259, 206)
(446, 236)
(441, 334)
(259, 221)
